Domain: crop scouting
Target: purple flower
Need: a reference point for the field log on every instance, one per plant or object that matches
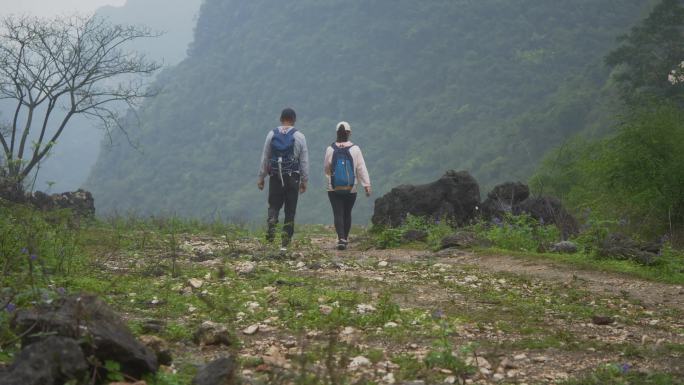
(33, 257)
(624, 368)
(10, 307)
(61, 291)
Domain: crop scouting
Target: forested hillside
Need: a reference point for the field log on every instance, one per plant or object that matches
(487, 86)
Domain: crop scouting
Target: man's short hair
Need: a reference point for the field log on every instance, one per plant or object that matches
(288, 115)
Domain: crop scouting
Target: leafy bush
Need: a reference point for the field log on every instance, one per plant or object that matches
(387, 237)
(34, 247)
(634, 177)
(518, 233)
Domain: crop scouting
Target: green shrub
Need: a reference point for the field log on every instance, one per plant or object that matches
(518, 233)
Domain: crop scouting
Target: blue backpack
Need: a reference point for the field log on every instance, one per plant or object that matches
(342, 170)
(282, 154)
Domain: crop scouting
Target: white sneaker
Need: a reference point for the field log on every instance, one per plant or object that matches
(283, 249)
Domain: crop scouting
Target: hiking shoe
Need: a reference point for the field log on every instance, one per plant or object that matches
(283, 249)
(341, 245)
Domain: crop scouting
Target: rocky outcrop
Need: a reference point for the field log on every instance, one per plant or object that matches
(88, 319)
(619, 246)
(549, 211)
(52, 361)
(80, 202)
(453, 198)
(503, 198)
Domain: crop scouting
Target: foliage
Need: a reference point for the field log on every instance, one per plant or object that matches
(518, 233)
(428, 86)
(392, 237)
(34, 248)
(649, 53)
(633, 177)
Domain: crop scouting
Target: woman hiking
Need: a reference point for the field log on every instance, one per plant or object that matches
(344, 169)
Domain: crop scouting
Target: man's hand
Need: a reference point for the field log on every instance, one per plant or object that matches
(260, 184)
(302, 187)
(369, 190)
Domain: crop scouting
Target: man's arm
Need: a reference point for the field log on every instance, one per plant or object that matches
(303, 159)
(265, 159)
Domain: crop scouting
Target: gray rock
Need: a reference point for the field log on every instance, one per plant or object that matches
(549, 211)
(52, 361)
(564, 247)
(453, 198)
(218, 372)
(503, 198)
(89, 319)
(619, 246)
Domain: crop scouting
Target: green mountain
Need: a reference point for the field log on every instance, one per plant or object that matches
(487, 86)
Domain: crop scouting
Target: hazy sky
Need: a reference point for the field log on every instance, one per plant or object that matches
(53, 7)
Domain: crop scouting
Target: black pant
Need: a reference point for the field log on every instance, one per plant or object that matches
(279, 195)
(342, 205)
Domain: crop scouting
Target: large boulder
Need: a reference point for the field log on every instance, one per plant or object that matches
(453, 198)
(80, 202)
(548, 211)
(503, 198)
(52, 361)
(88, 319)
(218, 372)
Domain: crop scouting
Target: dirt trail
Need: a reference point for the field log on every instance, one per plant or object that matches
(650, 294)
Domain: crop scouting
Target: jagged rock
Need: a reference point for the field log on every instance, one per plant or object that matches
(460, 239)
(564, 247)
(87, 318)
(548, 211)
(414, 236)
(160, 347)
(80, 202)
(211, 333)
(619, 246)
(503, 198)
(52, 361)
(218, 372)
(453, 198)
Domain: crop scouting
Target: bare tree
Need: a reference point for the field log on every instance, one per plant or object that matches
(54, 69)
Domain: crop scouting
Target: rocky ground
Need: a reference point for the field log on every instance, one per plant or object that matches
(317, 315)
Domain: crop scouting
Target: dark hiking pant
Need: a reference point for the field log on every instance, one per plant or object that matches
(279, 196)
(342, 205)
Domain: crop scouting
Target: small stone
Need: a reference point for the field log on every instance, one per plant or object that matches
(245, 268)
(450, 380)
(389, 378)
(301, 265)
(212, 333)
(251, 330)
(540, 359)
(363, 308)
(498, 377)
(508, 364)
(383, 264)
(485, 371)
(325, 309)
(520, 357)
(359, 362)
(195, 283)
(390, 325)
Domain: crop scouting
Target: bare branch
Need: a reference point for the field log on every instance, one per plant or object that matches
(80, 65)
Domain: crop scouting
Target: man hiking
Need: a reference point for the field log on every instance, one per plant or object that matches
(285, 159)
